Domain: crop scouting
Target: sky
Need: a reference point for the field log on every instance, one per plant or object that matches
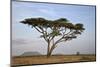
(26, 39)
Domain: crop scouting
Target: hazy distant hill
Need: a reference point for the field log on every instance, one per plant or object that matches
(30, 53)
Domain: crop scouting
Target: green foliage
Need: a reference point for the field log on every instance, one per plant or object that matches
(62, 22)
(79, 26)
(55, 33)
(58, 27)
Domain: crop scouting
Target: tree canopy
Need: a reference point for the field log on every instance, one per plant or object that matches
(50, 29)
(62, 22)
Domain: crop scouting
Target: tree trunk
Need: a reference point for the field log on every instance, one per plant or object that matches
(50, 51)
(49, 54)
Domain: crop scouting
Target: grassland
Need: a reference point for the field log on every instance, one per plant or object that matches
(33, 60)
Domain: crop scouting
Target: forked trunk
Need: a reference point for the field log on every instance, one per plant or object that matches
(49, 52)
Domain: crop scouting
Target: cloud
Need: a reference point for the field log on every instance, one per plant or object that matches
(19, 42)
(48, 12)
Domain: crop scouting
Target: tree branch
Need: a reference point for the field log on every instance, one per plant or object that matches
(37, 29)
(63, 37)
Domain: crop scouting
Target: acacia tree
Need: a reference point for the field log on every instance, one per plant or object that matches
(54, 31)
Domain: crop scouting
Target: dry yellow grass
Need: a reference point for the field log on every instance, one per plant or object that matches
(29, 60)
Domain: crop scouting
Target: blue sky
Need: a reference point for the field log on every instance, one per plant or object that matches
(25, 39)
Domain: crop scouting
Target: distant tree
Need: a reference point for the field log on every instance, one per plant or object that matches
(54, 31)
(78, 53)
